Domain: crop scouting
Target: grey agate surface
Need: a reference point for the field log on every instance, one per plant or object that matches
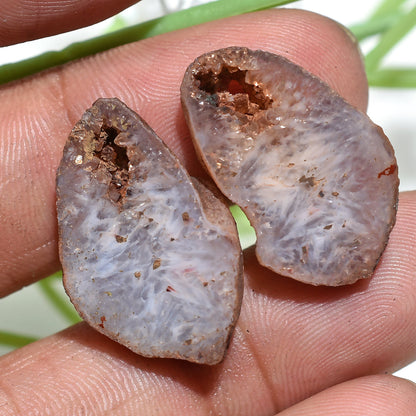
(150, 257)
(316, 178)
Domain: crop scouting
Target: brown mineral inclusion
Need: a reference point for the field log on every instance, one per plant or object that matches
(150, 257)
(316, 178)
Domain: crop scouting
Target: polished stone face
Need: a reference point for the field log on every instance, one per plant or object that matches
(316, 178)
(150, 257)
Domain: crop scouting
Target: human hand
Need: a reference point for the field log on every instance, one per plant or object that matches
(309, 350)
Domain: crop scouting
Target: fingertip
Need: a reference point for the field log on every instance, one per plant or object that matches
(378, 395)
(24, 20)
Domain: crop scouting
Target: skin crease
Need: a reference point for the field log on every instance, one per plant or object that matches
(294, 345)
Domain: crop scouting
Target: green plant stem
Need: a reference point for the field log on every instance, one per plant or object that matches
(174, 21)
(393, 78)
(389, 39)
(15, 340)
(383, 18)
(374, 26)
(246, 232)
(386, 8)
(60, 303)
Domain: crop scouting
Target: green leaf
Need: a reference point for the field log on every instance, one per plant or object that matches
(174, 21)
(60, 302)
(117, 23)
(374, 26)
(383, 18)
(386, 8)
(246, 232)
(390, 39)
(393, 78)
(15, 340)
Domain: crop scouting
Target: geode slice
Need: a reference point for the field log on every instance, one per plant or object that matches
(150, 257)
(316, 178)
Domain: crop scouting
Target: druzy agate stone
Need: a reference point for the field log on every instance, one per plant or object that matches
(316, 178)
(150, 257)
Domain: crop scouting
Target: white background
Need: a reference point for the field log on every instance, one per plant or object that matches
(29, 312)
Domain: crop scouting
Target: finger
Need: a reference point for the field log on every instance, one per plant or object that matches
(41, 111)
(367, 396)
(23, 20)
(291, 342)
